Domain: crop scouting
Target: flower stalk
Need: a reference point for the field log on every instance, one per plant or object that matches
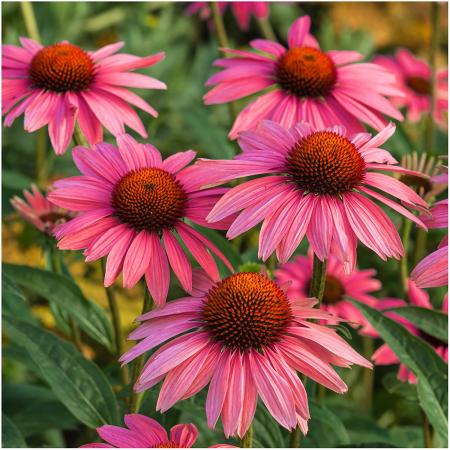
(29, 19)
(115, 314)
(434, 48)
(247, 440)
(223, 43)
(317, 286)
(404, 269)
(266, 29)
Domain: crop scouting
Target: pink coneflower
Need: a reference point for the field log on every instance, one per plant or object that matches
(144, 432)
(432, 271)
(316, 182)
(62, 83)
(242, 11)
(339, 287)
(38, 211)
(322, 88)
(414, 80)
(129, 200)
(385, 356)
(244, 336)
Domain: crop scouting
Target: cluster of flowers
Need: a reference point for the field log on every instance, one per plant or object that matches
(315, 173)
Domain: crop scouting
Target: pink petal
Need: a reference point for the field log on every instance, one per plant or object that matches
(298, 31)
(149, 429)
(178, 261)
(137, 259)
(157, 274)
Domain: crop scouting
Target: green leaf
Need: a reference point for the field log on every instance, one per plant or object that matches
(266, 431)
(434, 323)
(62, 291)
(78, 383)
(394, 386)
(35, 409)
(325, 428)
(14, 303)
(11, 436)
(430, 369)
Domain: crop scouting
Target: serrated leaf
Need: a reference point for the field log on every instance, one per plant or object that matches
(11, 436)
(430, 369)
(63, 292)
(434, 323)
(78, 383)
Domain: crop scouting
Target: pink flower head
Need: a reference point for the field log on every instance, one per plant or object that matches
(317, 184)
(384, 355)
(432, 271)
(38, 211)
(144, 432)
(62, 83)
(242, 11)
(414, 80)
(130, 200)
(322, 88)
(245, 337)
(339, 287)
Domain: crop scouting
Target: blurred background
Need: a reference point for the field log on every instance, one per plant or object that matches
(185, 123)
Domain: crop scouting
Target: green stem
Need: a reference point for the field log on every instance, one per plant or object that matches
(136, 398)
(427, 431)
(115, 314)
(295, 438)
(30, 20)
(223, 43)
(420, 245)
(79, 138)
(266, 29)
(41, 139)
(247, 440)
(404, 269)
(317, 286)
(41, 157)
(434, 47)
(368, 374)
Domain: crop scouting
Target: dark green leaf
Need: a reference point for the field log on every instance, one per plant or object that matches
(78, 383)
(430, 369)
(325, 428)
(14, 302)
(35, 409)
(434, 323)
(11, 436)
(394, 386)
(62, 291)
